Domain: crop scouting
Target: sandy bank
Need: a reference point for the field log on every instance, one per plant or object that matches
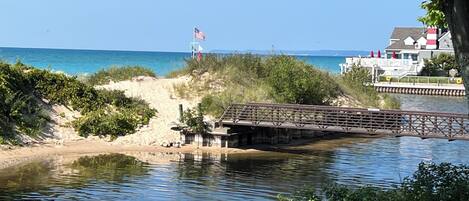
(15, 156)
(59, 138)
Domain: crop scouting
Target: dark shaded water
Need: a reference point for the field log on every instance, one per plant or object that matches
(155, 176)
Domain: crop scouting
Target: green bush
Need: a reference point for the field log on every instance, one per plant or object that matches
(296, 82)
(437, 182)
(440, 65)
(431, 182)
(252, 78)
(103, 112)
(304, 194)
(118, 74)
(195, 121)
(103, 123)
(19, 109)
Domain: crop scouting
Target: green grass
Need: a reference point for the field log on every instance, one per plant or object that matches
(118, 74)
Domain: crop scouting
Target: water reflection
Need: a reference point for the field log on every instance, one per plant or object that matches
(204, 176)
(33, 177)
(50, 178)
(109, 168)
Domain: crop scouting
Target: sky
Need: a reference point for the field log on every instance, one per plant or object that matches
(167, 25)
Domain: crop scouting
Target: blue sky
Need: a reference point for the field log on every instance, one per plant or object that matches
(158, 25)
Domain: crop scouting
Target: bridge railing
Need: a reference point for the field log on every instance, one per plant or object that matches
(395, 122)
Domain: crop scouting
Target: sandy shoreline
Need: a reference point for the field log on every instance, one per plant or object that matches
(19, 155)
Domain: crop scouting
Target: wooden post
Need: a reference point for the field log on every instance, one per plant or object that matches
(181, 113)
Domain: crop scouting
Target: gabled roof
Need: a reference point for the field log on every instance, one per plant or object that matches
(401, 33)
(404, 32)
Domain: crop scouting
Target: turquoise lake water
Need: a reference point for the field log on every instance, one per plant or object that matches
(89, 61)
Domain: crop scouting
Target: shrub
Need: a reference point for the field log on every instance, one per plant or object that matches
(19, 109)
(103, 123)
(432, 182)
(440, 65)
(437, 182)
(195, 121)
(104, 112)
(358, 77)
(118, 74)
(293, 81)
(251, 78)
(304, 194)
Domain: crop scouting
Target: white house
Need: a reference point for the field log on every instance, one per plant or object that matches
(418, 43)
(405, 54)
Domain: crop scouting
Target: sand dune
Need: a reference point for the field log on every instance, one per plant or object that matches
(58, 138)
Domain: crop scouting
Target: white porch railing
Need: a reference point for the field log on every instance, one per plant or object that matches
(391, 67)
(380, 62)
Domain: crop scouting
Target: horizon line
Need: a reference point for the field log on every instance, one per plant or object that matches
(166, 51)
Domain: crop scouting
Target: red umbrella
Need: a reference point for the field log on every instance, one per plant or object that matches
(394, 55)
(379, 53)
(372, 54)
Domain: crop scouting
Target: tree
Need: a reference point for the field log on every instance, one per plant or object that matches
(441, 64)
(453, 14)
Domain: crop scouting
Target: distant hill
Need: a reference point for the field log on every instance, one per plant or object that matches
(298, 52)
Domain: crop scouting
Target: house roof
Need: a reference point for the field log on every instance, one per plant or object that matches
(401, 33)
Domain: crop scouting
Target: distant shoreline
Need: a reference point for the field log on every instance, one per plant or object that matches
(318, 53)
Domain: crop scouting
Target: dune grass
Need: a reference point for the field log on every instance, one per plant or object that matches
(242, 78)
(223, 80)
(116, 74)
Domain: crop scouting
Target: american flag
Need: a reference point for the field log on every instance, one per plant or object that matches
(198, 34)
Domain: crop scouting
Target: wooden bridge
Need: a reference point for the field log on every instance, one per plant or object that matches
(450, 126)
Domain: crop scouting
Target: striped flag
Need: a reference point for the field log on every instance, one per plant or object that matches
(198, 34)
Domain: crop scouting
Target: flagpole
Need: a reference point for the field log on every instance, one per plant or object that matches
(193, 42)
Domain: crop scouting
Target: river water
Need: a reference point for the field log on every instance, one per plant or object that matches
(257, 176)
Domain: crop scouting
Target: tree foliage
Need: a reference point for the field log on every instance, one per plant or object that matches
(435, 15)
(452, 14)
(440, 65)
